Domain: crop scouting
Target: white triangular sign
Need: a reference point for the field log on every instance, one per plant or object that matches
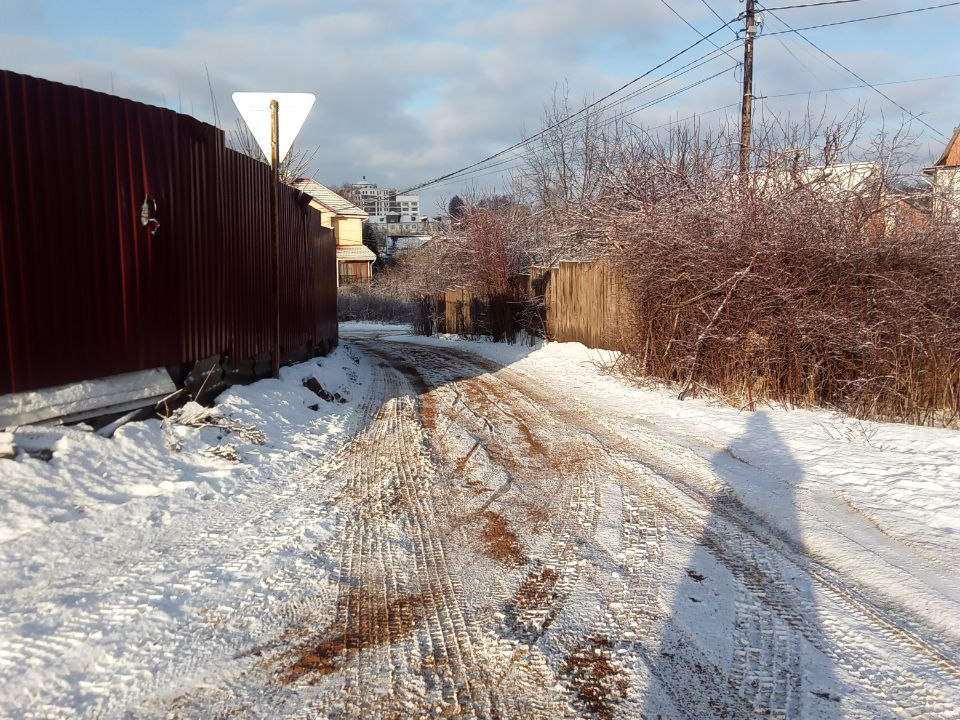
(254, 108)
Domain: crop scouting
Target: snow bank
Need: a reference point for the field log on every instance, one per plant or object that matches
(61, 474)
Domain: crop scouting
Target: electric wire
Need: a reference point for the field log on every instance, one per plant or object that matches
(576, 114)
(673, 74)
(696, 30)
(682, 70)
(484, 172)
(484, 164)
(717, 16)
(857, 20)
(689, 67)
(816, 4)
(857, 87)
(859, 77)
(481, 172)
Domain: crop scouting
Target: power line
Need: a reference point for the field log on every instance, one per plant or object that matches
(782, 43)
(669, 95)
(857, 87)
(463, 172)
(570, 117)
(717, 15)
(803, 92)
(855, 74)
(695, 29)
(816, 4)
(481, 171)
(672, 75)
(856, 20)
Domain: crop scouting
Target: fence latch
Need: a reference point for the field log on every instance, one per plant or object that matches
(148, 214)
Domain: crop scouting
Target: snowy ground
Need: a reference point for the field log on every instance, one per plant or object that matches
(480, 530)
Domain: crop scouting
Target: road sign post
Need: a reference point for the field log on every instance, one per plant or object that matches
(274, 133)
(275, 226)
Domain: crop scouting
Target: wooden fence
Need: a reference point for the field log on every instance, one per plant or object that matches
(572, 302)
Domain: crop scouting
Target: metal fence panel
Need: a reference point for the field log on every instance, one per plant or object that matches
(88, 291)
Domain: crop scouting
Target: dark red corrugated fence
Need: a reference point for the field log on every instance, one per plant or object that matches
(87, 291)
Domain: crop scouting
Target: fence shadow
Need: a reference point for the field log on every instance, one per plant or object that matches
(759, 644)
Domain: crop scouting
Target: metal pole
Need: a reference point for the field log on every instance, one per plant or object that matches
(746, 110)
(275, 227)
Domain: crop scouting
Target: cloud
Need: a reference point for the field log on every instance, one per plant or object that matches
(410, 91)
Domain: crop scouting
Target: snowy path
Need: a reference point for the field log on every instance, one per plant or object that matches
(487, 541)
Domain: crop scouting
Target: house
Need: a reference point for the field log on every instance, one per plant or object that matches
(857, 178)
(883, 203)
(354, 259)
(945, 178)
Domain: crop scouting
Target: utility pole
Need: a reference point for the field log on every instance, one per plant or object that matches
(275, 227)
(746, 110)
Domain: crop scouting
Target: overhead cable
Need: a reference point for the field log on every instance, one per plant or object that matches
(483, 172)
(859, 77)
(573, 115)
(810, 5)
(480, 172)
(857, 20)
(696, 29)
(672, 75)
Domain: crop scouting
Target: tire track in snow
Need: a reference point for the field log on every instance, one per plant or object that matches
(558, 573)
(375, 636)
(771, 615)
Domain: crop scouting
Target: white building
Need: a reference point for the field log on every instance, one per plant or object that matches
(945, 175)
(409, 206)
(384, 204)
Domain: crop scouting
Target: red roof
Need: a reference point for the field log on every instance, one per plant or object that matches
(951, 154)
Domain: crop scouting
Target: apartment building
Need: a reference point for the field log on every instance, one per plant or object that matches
(384, 204)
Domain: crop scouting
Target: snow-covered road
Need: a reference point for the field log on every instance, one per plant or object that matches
(483, 531)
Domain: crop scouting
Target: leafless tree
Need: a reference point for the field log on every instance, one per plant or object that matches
(297, 163)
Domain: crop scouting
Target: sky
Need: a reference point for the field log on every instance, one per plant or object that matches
(409, 91)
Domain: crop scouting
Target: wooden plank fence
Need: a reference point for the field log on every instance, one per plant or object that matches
(572, 302)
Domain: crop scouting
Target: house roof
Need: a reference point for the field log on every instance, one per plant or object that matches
(951, 153)
(328, 198)
(355, 253)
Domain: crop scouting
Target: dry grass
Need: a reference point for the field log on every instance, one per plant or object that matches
(366, 303)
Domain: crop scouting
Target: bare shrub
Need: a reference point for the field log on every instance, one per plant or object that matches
(820, 279)
(791, 285)
(295, 165)
(363, 302)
